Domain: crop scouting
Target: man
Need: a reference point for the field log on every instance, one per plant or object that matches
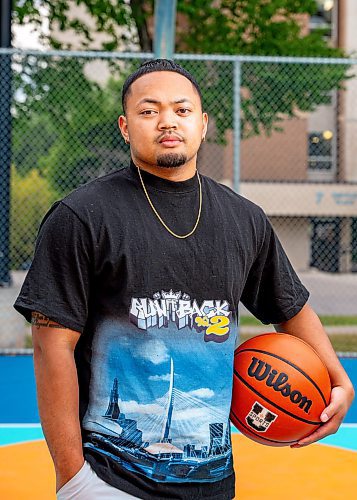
(133, 293)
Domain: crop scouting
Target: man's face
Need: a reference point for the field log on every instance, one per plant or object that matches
(164, 122)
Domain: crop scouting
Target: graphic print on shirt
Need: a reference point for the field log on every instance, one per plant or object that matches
(161, 388)
(212, 318)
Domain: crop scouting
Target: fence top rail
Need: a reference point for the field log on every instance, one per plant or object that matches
(183, 57)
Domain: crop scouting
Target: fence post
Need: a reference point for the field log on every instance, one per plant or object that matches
(5, 142)
(237, 77)
(165, 23)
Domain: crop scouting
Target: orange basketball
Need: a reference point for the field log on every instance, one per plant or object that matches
(280, 388)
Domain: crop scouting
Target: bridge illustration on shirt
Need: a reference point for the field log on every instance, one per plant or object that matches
(162, 459)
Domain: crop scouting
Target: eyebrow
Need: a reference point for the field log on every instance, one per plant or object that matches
(148, 100)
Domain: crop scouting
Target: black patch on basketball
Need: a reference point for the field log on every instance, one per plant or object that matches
(263, 438)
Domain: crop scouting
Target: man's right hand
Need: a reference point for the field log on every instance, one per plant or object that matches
(65, 475)
(58, 394)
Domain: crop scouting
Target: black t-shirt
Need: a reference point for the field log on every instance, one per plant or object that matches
(158, 322)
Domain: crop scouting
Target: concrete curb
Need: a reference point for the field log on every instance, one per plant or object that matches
(330, 330)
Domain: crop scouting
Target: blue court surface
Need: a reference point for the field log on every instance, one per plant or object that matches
(19, 418)
(327, 470)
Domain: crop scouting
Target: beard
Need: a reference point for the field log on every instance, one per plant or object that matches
(171, 160)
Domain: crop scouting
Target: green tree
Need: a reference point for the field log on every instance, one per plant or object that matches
(65, 123)
(232, 27)
(40, 132)
(31, 197)
(276, 28)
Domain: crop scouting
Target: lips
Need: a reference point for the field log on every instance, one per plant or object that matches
(170, 140)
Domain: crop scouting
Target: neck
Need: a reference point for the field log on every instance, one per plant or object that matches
(176, 174)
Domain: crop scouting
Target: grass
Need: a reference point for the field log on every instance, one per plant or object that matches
(28, 341)
(340, 342)
(338, 320)
(344, 343)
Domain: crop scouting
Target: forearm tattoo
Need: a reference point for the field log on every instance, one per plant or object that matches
(39, 320)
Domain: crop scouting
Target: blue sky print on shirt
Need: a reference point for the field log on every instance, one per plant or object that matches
(160, 395)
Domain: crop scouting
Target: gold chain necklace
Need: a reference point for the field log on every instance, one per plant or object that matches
(158, 215)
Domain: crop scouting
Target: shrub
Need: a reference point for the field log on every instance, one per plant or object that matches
(31, 197)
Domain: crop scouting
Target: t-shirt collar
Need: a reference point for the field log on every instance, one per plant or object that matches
(156, 182)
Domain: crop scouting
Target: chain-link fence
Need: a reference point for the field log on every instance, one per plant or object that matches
(281, 131)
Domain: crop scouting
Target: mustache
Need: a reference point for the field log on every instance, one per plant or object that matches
(170, 134)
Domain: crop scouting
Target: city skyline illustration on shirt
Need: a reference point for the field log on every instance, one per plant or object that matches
(164, 457)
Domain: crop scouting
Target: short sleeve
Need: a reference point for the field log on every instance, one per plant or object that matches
(58, 282)
(273, 292)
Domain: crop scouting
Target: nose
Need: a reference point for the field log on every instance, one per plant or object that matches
(168, 120)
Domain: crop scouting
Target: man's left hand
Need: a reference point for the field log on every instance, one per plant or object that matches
(332, 416)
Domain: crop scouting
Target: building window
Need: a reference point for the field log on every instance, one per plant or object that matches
(325, 243)
(323, 17)
(320, 151)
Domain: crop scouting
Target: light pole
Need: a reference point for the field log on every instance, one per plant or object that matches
(165, 22)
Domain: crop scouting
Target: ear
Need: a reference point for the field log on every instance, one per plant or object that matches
(123, 126)
(205, 125)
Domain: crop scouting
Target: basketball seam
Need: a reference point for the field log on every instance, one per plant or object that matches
(291, 364)
(259, 435)
(274, 404)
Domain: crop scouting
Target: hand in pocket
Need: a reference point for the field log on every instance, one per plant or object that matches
(73, 483)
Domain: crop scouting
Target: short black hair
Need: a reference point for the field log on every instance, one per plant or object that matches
(152, 66)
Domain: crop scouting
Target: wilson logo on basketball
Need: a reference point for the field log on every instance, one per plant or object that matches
(260, 370)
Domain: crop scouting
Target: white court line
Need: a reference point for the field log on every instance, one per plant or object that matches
(38, 426)
(15, 426)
